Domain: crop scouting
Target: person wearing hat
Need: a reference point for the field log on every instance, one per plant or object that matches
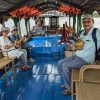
(15, 37)
(7, 45)
(81, 57)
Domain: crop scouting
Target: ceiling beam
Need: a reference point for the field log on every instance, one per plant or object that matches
(7, 1)
(83, 3)
(67, 3)
(14, 8)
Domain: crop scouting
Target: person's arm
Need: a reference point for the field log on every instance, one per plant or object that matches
(6, 43)
(8, 46)
(71, 47)
(11, 38)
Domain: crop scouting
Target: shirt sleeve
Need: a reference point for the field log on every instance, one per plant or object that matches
(5, 42)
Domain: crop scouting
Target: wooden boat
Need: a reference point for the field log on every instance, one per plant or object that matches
(43, 81)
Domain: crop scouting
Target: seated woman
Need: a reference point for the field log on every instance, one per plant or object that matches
(38, 29)
(7, 45)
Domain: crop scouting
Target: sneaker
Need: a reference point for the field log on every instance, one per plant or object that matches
(31, 60)
(66, 92)
(25, 67)
(63, 86)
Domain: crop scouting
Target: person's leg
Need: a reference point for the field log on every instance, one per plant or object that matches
(23, 57)
(62, 61)
(60, 65)
(29, 49)
(67, 67)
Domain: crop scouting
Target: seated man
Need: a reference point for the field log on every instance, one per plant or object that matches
(15, 38)
(82, 57)
(7, 45)
(38, 29)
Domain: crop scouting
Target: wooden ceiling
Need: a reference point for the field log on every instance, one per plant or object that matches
(86, 6)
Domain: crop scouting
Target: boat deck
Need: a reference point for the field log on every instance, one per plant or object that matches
(42, 82)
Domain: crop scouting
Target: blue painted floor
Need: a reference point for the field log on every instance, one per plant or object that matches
(42, 82)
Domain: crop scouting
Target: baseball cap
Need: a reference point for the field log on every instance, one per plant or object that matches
(88, 16)
(14, 28)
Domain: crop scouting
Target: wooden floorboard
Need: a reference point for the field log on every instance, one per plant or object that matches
(48, 92)
(42, 82)
(58, 89)
(34, 89)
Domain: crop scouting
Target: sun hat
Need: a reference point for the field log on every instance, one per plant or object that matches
(14, 28)
(88, 16)
(5, 29)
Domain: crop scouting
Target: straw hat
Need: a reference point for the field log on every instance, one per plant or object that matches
(14, 28)
(5, 29)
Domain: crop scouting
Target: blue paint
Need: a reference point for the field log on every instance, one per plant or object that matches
(42, 82)
(46, 46)
(58, 89)
(48, 92)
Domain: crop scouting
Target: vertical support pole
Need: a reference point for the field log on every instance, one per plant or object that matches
(3, 22)
(77, 25)
(69, 20)
(28, 25)
(74, 22)
(18, 24)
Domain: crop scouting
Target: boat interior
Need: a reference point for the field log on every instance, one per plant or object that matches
(43, 81)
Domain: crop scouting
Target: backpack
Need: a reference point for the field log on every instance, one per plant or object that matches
(97, 53)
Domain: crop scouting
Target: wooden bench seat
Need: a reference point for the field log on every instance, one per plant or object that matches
(7, 62)
(75, 73)
(88, 85)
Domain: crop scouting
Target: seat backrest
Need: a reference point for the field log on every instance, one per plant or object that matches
(1, 55)
(88, 86)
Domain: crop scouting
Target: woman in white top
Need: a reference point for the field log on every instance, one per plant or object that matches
(6, 45)
(38, 29)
